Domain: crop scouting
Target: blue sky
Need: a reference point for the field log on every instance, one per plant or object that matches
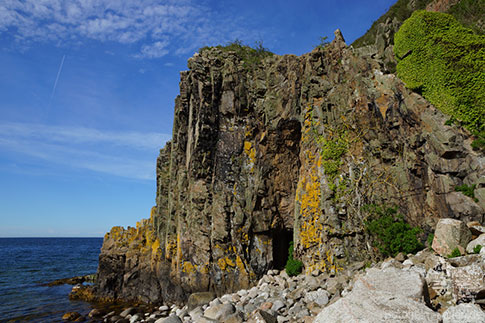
(87, 90)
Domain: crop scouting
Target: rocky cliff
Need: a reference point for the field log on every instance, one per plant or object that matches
(286, 149)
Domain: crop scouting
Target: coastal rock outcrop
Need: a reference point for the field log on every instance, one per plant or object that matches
(283, 149)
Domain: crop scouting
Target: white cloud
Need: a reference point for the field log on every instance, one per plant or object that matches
(159, 26)
(155, 50)
(125, 154)
(151, 22)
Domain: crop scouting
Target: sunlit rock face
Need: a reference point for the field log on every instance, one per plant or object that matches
(287, 149)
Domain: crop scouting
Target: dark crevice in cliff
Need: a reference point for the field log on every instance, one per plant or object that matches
(281, 244)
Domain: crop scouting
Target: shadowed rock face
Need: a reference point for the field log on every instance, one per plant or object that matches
(293, 146)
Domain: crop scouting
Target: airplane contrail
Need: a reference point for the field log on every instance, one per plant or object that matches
(57, 79)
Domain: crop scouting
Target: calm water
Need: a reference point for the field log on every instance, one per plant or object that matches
(26, 263)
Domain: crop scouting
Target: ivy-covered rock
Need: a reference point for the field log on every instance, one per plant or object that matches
(444, 61)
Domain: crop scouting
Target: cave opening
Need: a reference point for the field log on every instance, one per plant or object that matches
(281, 243)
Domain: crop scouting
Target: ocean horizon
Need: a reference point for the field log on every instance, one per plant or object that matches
(28, 263)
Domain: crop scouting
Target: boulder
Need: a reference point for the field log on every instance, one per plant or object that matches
(170, 319)
(478, 241)
(468, 281)
(450, 234)
(464, 313)
(199, 299)
(476, 228)
(219, 311)
(319, 296)
(237, 317)
(260, 316)
(128, 311)
(382, 295)
(396, 281)
(376, 306)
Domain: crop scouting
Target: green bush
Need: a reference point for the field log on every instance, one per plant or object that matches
(455, 253)
(250, 56)
(293, 266)
(467, 190)
(391, 233)
(479, 143)
(477, 248)
(323, 42)
(444, 61)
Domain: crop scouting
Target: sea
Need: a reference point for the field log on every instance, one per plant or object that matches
(26, 264)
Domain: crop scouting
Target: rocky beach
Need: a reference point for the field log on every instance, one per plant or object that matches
(425, 287)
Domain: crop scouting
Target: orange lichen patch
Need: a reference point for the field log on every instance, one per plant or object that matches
(170, 249)
(311, 229)
(225, 262)
(250, 151)
(188, 267)
(382, 103)
(155, 246)
(308, 192)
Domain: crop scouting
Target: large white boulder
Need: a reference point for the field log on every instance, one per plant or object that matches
(464, 313)
(382, 295)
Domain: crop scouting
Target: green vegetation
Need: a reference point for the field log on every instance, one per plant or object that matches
(332, 149)
(392, 234)
(468, 13)
(293, 266)
(467, 190)
(323, 42)
(479, 143)
(250, 56)
(477, 248)
(455, 253)
(445, 62)
(400, 10)
(430, 239)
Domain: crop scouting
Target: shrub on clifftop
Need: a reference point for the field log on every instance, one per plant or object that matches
(445, 62)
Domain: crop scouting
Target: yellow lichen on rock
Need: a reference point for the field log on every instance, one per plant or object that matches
(250, 151)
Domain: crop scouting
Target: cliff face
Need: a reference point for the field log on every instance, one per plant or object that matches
(286, 150)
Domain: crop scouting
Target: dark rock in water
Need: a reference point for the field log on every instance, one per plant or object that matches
(287, 149)
(73, 280)
(71, 316)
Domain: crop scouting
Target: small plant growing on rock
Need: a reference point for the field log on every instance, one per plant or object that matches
(391, 233)
(430, 239)
(455, 253)
(467, 190)
(479, 143)
(293, 266)
(323, 42)
(477, 248)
